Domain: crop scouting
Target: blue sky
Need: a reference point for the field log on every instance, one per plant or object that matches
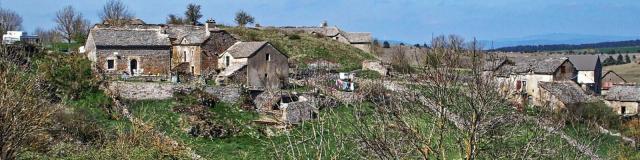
(412, 21)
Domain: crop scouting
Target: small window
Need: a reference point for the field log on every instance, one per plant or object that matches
(562, 69)
(265, 76)
(192, 70)
(226, 62)
(110, 64)
(268, 57)
(184, 56)
(623, 109)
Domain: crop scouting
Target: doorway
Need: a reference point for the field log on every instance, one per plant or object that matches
(133, 66)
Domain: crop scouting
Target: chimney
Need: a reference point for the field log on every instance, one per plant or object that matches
(324, 24)
(210, 25)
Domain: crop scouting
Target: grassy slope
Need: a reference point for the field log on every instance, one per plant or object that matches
(308, 48)
(630, 72)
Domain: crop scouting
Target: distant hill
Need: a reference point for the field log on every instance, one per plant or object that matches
(555, 38)
(559, 47)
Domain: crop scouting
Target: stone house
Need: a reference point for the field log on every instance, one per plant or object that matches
(610, 79)
(589, 69)
(624, 100)
(360, 40)
(157, 50)
(519, 77)
(135, 50)
(257, 65)
(563, 95)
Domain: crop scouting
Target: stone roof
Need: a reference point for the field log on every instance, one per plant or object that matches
(192, 34)
(245, 49)
(493, 64)
(567, 92)
(547, 65)
(358, 37)
(129, 36)
(584, 62)
(612, 74)
(624, 93)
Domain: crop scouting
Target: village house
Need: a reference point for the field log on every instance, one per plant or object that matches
(589, 69)
(624, 99)
(563, 95)
(610, 79)
(360, 40)
(257, 65)
(157, 51)
(19, 36)
(520, 77)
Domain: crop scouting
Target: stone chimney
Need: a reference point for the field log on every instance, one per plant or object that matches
(210, 24)
(324, 24)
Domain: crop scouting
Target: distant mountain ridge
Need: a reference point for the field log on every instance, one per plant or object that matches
(555, 38)
(557, 47)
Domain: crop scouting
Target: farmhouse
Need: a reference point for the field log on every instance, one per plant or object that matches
(589, 70)
(258, 65)
(610, 79)
(624, 99)
(136, 50)
(520, 76)
(360, 40)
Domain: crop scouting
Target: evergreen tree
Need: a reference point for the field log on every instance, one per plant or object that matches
(417, 45)
(627, 58)
(609, 61)
(385, 44)
(620, 59)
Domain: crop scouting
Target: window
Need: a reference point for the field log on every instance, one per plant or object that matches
(111, 64)
(622, 110)
(562, 69)
(192, 70)
(226, 61)
(184, 56)
(265, 76)
(268, 57)
(524, 85)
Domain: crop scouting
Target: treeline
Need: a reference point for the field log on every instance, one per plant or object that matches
(619, 60)
(557, 47)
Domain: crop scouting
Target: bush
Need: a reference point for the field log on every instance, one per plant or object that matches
(69, 76)
(598, 113)
(294, 37)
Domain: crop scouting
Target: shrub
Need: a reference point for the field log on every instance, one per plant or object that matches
(69, 76)
(294, 37)
(598, 113)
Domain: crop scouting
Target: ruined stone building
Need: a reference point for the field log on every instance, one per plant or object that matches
(360, 40)
(563, 95)
(258, 65)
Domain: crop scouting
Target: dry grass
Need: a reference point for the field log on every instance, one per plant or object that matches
(630, 72)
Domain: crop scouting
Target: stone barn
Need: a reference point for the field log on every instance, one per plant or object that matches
(140, 50)
(610, 79)
(562, 95)
(257, 65)
(624, 100)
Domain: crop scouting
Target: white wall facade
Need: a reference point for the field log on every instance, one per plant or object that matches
(585, 77)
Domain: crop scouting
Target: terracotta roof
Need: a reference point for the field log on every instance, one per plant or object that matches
(244, 49)
(567, 92)
(584, 62)
(624, 93)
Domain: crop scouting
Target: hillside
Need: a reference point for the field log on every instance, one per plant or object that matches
(624, 45)
(304, 48)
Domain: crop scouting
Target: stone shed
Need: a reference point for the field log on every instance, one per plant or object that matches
(624, 100)
(257, 65)
(563, 95)
(286, 107)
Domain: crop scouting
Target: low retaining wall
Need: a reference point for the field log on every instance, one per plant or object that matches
(142, 90)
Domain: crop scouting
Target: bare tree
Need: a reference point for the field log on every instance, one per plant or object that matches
(192, 14)
(243, 18)
(115, 12)
(71, 24)
(24, 114)
(9, 20)
(47, 36)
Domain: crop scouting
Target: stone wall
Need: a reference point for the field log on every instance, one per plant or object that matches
(227, 94)
(142, 90)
